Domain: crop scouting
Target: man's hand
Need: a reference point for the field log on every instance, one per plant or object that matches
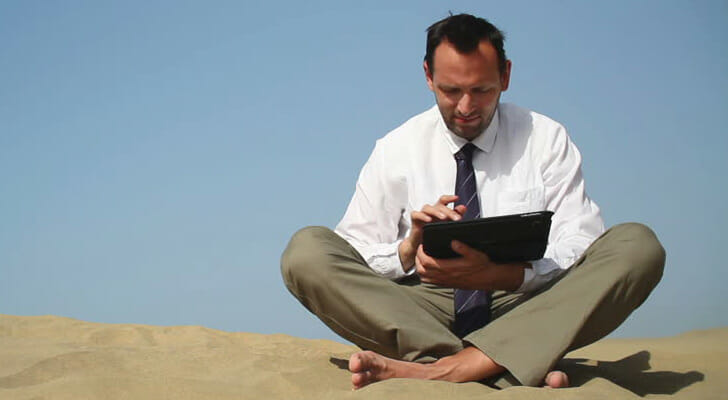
(429, 213)
(474, 270)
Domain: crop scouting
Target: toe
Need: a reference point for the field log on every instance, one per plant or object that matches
(360, 379)
(355, 363)
(556, 379)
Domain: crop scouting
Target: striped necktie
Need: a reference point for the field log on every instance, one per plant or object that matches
(472, 307)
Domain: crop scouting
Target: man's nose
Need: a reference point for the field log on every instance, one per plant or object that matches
(466, 105)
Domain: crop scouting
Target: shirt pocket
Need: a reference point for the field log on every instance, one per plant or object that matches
(521, 201)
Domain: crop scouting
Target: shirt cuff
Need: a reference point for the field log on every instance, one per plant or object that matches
(383, 258)
(541, 272)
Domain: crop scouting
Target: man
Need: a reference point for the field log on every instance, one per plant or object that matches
(469, 319)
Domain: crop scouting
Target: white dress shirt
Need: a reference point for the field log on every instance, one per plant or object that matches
(524, 162)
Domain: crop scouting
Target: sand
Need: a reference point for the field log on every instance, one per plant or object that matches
(51, 357)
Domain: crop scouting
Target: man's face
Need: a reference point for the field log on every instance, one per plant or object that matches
(467, 87)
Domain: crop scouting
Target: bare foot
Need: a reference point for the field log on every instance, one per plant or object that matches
(556, 379)
(470, 364)
(368, 367)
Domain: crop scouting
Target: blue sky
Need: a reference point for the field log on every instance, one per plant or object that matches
(155, 157)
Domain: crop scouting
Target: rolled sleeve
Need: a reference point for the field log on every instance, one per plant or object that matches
(383, 258)
(372, 221)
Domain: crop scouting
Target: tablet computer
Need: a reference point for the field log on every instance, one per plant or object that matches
(507, 238)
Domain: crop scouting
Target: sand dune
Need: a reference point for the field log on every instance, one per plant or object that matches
(61, 358)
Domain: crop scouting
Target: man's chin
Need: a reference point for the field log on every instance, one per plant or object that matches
(467, 133)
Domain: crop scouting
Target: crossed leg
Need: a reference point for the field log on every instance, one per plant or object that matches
(331, 279)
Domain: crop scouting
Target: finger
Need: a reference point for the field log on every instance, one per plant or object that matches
(451, 214)
(424, 259)
(441, 212)
(432, 270)
(421, 270)
(426, 274)
(433, 212)
(419, 267)
(419, 216)
(467, 251)
(461, 209)
(447, 199)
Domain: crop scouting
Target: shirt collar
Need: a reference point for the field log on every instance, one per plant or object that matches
(484, 141)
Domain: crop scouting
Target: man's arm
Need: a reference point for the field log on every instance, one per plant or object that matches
(372, 220)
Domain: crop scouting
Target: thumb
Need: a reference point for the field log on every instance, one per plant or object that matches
(461, 248)
(467, 251)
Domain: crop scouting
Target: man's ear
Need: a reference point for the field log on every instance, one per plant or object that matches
(506, 77)
(428, 76)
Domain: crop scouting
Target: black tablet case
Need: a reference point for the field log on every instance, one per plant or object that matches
(507, 238)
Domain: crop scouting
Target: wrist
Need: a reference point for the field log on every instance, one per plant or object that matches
(512, 276)
(407, 254)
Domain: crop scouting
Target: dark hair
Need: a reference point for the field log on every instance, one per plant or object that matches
(465, 31)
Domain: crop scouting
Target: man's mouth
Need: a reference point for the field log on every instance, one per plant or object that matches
(466, 120)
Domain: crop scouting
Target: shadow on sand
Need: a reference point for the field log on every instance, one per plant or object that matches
(630, 373)
(339, 362)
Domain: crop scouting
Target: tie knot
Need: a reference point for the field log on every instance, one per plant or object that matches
(465, 152)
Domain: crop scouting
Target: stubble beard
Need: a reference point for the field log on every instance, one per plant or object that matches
(470, 134)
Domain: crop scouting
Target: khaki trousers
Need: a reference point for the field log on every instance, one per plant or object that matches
(529, 332)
